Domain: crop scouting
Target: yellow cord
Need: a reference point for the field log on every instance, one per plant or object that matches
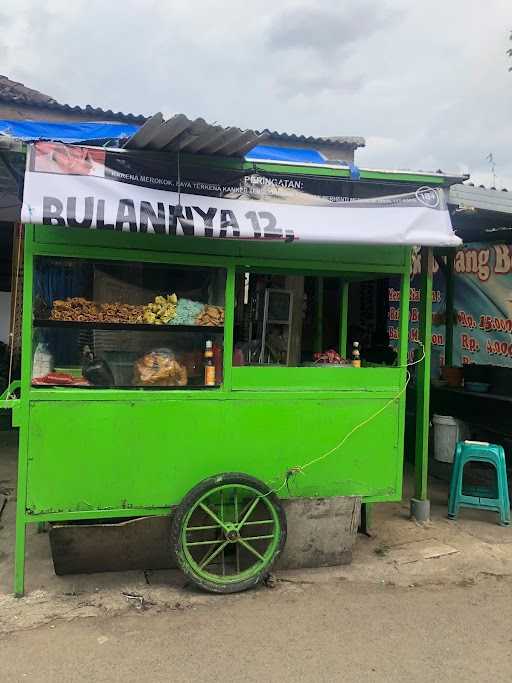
(15, 304)
(299, 469)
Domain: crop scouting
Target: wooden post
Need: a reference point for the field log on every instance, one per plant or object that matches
(448, 347)
(423, 377)
(403, 334)
(343, 319)
(319, 314)
(295, 284)
(229, 323)
(16, 287)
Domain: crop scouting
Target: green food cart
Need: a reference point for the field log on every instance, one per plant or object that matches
(122, 415)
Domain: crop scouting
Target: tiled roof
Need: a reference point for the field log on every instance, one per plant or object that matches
(12, 91)
(19, 94)
(483, 187)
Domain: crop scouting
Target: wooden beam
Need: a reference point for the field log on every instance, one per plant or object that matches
(405, 295)
(295, 284)
(343, 319)
(319, 314)
(450, 286)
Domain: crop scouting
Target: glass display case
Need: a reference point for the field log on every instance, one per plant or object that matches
(104, 324)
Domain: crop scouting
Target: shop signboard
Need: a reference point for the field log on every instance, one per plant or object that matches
(103, 189)
(482, 302)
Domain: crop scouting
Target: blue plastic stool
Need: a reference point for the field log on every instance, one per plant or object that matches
(477, 451)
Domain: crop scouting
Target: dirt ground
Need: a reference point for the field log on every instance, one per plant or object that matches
(337, 631)
(419, 602)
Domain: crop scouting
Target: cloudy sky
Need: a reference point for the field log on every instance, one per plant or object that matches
(426, 83)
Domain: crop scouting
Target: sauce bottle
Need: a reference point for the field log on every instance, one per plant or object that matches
(356, 355)
(209, 365)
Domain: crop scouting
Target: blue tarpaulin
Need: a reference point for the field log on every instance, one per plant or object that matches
(66, 132)
(289, 154)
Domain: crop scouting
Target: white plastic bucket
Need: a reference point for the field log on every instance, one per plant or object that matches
(447, 431)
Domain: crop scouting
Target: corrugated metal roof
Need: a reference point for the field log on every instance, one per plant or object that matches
(200, 137)
(336, 141)
(471, 197)
(179, 133)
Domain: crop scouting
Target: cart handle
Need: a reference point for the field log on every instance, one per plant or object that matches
(8, 399)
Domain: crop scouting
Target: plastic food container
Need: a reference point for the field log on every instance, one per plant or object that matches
(477, 387)
(447, 431)
(453, 376)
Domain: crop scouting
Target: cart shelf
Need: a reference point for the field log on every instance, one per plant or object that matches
(139, 327)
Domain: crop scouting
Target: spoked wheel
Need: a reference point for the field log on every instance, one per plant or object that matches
(227, 532)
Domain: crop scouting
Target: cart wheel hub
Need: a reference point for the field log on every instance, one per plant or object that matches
(231, 534)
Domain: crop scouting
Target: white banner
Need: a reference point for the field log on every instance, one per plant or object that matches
(78, 187)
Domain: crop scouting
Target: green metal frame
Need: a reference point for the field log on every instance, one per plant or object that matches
(423, 376)
(7, 399)
(263, 420)
(334, 171)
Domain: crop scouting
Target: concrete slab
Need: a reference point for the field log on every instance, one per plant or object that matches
(421, 550)
(321, 532)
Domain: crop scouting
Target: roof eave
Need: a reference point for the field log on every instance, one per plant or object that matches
(88, 110)
(340, 142)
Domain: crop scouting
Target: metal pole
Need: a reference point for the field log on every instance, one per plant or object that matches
(420, 507)
(26, 375)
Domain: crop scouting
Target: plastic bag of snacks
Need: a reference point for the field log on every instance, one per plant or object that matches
(159, 368)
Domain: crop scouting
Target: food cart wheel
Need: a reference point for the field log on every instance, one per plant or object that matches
(227, 532)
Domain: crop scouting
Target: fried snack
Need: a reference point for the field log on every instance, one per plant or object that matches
(74, 309)
(159, 369)
(211, 316)
(161, 311)
(121, 313)
(78, 309)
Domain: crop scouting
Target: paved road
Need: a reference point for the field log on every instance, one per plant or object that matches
(336, 631)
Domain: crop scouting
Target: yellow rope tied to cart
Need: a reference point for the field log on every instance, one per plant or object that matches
(300, 469)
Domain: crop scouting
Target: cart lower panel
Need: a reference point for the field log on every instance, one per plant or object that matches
(111, 455)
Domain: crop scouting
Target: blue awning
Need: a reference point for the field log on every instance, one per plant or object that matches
(87, 131)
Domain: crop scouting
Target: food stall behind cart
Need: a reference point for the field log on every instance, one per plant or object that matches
(149, 385)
